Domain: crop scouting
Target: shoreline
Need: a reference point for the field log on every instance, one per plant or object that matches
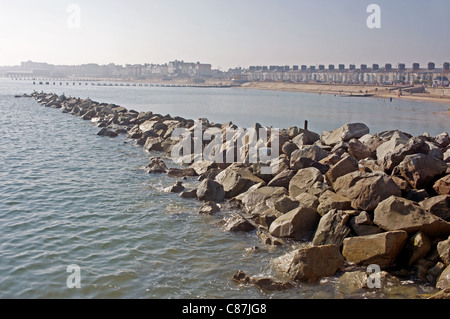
(356, 90)
(336, 192)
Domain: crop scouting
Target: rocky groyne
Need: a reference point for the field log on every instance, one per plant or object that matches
(357, 200)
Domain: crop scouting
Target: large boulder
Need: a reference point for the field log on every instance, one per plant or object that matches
(210, 191)
(363, 225)
(282, 179)
(438, 205)
(332, 229)
(306, 138)
(344, 133)
(343, 167)
(236, 181)
(304, 180)
(298, 224)
(380, 249)
(398, 154)
(443, 249)
(311, 264)
(419, 170)
(256, 201)
(358, 150)
(396, 213)
(306, 156)
(444, 280)
(442, 186)
(330, 200)
(393, 141)
(366, 190)
(238, 223)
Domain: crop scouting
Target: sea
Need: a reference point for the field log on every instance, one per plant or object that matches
(80, 218)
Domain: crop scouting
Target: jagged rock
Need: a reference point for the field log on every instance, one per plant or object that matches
(283, 179)
(438, 205)
(380, 249)
(209, 208)
(398, 154)
(285, 204)
(443, 249)
(395, 140)
(344, 133)
(444, 280)
(258, 200)
(306, 156)
(237, 223)
(210, 191)
(298, 224)
(311, 264)
(396, 213)
(267, 239)
(363, 225)
(419, 170)
(442, 140)
(330, 200)
(156, 166)
(343, 167)
(308, 200)
(181, 172)
(304, 180)
(306, 138)
(358, 150)
(176, 188)
(153, 144)
(332, 229)
(106, 132)
(289, 147)
(366, 190)
(236, 181)
(442, 186)
(189, 194)
(404, 185)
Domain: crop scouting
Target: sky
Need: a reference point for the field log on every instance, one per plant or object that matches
(226, 34)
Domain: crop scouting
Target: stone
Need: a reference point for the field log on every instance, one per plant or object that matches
(289, 147)
(236, 181)
(396, 213)
(358, 150)
(442, 140)
(306, 156)
(330, 200)
(107, 132)
(366, 190)
(396, 141)
(435, 272)
(417, 247)
(332, 229)
(153, 144)
(441, 295)
(444, 279)
(442, 186)
(147, 126)
(398, 154)
(344, 133)
(306, 138)
(270, 285)
(343, 167)
(156, 166)
(267, 239)
(419, 170)
(311, 264)
(363, 225)
(438, 205)
(417, 195)
(285, 204)
(308, 200)
(237, 223)
(404, 185)
(209, 208)
(210, 190)
(380, 249)
(181, 172)
(258, 200)
(176, 188)
(298, 224)
(201, 167)
(443, 249)
(189, 194)
(304, 180)
(282, 179)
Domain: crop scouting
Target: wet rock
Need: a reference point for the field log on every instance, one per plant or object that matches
(444, 280)
(345, 133)
(396, 213)
(298, 224)
(264, 283)
(209, 208)
(441, 295)
(189, 194)
(306, 156)
(210, 190)
(366, 190)
(237, 223)
(181, 172)
(304, 180)
(442, 186)
(176, 188)
(419, 170)
(311, 264)
(106, 132)
(332, 229)
(380, 249)
(267, 239)
(156, 166)
(343, 167)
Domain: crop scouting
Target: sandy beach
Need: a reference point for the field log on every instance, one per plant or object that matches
(433, 94)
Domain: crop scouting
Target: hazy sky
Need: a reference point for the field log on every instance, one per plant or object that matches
(225, 33)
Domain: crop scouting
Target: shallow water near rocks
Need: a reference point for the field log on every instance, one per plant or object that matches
(68, 196)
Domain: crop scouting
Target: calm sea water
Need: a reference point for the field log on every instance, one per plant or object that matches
(70, 197)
